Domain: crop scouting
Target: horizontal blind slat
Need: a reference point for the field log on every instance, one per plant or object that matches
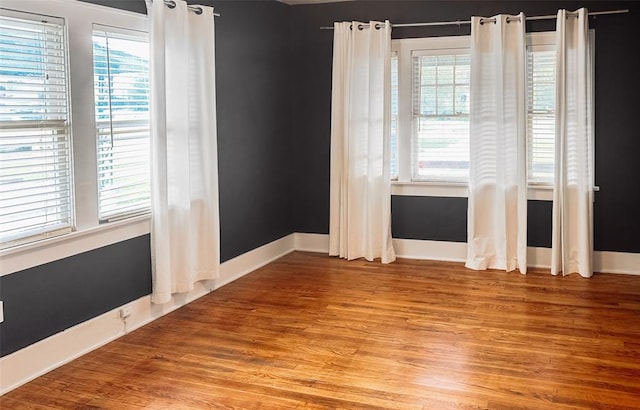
(440, 143)
(540, 116)
(35, 151)
(121, 88)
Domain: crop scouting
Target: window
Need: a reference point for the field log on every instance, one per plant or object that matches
(35, 139)
(121, 91)
(541, 83)
(430, 121)
(394, 115)
(440, 116)
(74, 141)
(432, 130)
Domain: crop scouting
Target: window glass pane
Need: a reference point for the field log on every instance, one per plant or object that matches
(543, 95)
(394, 115)
(462, 99)
(35, 142)
(446, 66)
(462, 69)
(428, 100)
(428, 71)
(440, 142)
(445, 100)
(121, 85)
(442, 149)
(540, 116)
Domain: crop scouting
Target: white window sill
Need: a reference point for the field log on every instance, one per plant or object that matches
(457, 190)
(414, 188)
(38, 253)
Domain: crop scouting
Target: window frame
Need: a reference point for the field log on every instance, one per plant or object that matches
(88, 233)
(403, 48)
(417, 118)
(542, 41)
(62, 189)
(143, 206)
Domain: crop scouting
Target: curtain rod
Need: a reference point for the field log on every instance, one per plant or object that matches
(196, 9)
(459, 22)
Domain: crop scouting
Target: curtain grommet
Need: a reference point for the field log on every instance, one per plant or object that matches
(360, 27)
(198, 10)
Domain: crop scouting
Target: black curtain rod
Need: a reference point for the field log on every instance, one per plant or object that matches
(196, 9)
(459, 22)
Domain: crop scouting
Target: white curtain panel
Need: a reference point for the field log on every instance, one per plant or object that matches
(185, 231)
(497, 209)
(572, 232)
(360, 187)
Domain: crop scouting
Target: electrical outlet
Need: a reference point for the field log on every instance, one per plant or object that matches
(125, 312)
(1, 311)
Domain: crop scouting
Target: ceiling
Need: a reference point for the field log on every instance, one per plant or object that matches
(294, 2)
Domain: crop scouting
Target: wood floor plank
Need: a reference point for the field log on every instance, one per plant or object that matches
(313, 332)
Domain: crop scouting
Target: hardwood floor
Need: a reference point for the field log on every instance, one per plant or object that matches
(314, 332)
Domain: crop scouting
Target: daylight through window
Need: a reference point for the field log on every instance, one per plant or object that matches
(440, 117)
(430, 79)
(121, 84)
(35, 140)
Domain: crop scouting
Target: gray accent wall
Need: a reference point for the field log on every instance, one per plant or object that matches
(617, 60)
(273, 99)
(50, 298)
(255, 162)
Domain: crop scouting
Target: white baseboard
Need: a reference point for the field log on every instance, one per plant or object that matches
(433, 250)
(405, 248)
(312, 242)
(538, 257)
(39, 358)
(617, 262)
(609, 262)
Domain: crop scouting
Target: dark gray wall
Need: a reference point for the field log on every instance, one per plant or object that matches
(50, 298)
(617, 137)
(254, 132)
(254, 149)
(274, 93)
(254, 125)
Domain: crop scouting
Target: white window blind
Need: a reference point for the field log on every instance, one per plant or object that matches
(121, 83)
(35, 142)
(394, 115)
(541, 62)
(440, 140)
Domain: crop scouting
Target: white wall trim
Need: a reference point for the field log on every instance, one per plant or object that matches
(433, 250)
(49, 250)
(609, 262)
(617, 262)
(312, 242)
(457, 190)
(88, 233)
(41, 357)
(538, 257)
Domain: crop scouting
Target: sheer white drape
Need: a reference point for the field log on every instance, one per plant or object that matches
(185, 233)
(572, 232)
(497, 210)
(360, 187)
